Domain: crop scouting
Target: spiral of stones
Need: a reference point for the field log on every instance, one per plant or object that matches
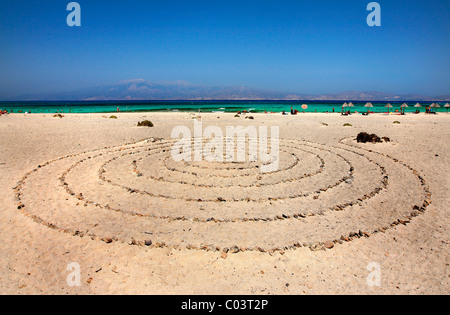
(321, 196)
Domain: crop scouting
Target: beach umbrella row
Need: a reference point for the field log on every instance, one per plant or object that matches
(403, 106)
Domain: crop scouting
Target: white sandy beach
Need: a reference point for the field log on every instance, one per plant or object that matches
(104, 193)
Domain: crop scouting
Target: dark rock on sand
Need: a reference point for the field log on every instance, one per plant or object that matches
(364, 137)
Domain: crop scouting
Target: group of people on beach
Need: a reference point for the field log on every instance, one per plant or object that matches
(428, 110)
(294, 112)
(3, 112)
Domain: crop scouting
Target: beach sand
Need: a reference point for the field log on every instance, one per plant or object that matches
(105, 194)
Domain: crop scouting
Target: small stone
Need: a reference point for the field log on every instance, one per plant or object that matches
(224, 255)
(329, 244)
(234, 250)
(148, 243)
(317, 247)
(132, 242)
(107, 240)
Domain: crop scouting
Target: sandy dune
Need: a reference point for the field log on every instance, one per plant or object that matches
(108, 196)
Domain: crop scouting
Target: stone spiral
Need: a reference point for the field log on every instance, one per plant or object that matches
(322, 195)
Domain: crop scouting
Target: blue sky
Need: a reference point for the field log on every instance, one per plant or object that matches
(297, 46)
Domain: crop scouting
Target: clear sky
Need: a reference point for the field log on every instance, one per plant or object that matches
(301, 46)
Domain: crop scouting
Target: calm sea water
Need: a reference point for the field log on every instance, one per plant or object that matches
(196, 106)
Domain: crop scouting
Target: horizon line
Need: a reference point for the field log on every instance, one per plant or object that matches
(225, 100)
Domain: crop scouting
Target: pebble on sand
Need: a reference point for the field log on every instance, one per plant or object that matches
(329, 244)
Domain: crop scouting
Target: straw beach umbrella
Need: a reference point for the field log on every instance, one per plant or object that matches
(418, 106)
(368, 105)
(447, 106)
(344, 107)
(404, 105)
(389, 106)
(350, 105)
(435, 105)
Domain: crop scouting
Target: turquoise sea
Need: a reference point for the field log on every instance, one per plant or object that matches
(202, 106)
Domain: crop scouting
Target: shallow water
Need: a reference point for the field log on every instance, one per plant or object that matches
(199, 106)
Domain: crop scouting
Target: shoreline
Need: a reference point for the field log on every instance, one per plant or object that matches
(233, 113)
(278, 107)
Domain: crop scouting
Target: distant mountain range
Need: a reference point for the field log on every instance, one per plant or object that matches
(139, 89)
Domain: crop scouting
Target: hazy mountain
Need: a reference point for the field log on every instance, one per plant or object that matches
(145, 90)
(181, 90)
